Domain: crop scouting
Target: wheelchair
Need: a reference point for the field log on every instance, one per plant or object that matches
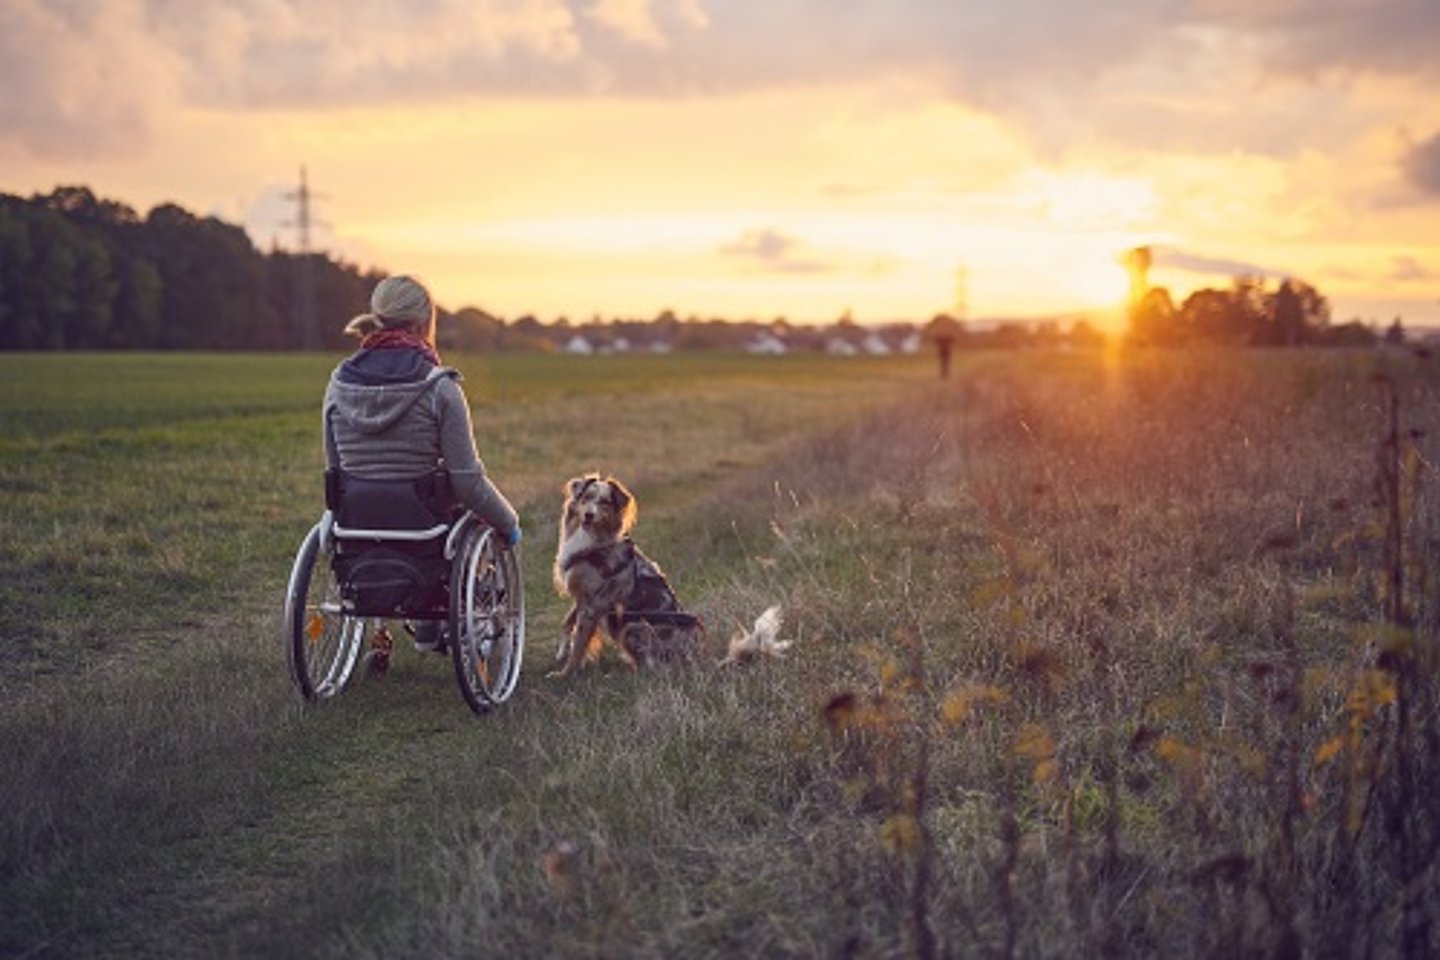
(401, 549)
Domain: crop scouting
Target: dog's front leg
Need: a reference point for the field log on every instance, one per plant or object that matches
(567, 629)
(578, 642)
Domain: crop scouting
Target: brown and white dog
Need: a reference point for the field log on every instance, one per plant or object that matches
(615, 589)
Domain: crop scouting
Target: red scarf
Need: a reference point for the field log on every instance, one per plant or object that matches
(400, 340)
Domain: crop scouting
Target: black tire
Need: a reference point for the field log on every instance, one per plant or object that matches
(487, 619)
(322, 644)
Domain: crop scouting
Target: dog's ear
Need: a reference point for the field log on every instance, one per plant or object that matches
(624, 503)
(577, 485)
(619, 496)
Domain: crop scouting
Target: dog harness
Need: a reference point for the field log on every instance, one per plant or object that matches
(651, 599)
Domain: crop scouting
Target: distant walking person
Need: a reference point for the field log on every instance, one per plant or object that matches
(943, 331)
(393, 412)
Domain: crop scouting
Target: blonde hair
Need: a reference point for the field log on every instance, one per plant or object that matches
(398, 303)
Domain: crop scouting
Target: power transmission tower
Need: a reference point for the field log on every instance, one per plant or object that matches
(303, 301)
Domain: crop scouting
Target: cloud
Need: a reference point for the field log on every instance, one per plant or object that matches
(1199, 263)
(771, 250)
(629, 19)
(1421, 165)
(991, 52)
(251, 53)
(1407, 269)
(1374, 36)
(90, 77)
(636, 20)
(67, 91)
(94, 75)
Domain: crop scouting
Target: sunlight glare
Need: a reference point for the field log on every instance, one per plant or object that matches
(1097, 282)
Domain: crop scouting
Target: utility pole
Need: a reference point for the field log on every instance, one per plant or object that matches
(303, 300)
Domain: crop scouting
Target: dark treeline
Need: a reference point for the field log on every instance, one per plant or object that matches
(1294, 314)
(78, 272)
(82, 273)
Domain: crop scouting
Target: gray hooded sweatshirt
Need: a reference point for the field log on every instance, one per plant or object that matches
(390, 414)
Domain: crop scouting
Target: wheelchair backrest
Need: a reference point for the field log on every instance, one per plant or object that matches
(390, 542)
(415, 504)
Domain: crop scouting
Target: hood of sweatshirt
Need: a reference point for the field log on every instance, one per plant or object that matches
(374, 388)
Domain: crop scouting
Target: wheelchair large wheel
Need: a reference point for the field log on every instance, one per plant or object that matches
(487, 619)
(321, 643)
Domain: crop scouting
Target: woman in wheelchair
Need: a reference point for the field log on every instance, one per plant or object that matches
(393, 412)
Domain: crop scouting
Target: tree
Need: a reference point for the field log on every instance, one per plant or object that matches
(528, 333)
(1294, 315)
(473, 329)
(19, 321)
(137, 304)
(342, 291)
(1314, 308)
(1215, 317)
(94, 293)
(118, 293)
(78, 271)
(81, 207)
(1154, 321)
(1395, 333)
(1287, 317)
(214, 281)
(53, 281)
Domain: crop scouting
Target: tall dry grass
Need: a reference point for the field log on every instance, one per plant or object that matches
(1138, 658)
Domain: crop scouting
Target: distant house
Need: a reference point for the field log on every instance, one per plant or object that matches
(840, 347)
(579, 346)
(911, 343)
(874, 344)
(618, 345)
(767, 344)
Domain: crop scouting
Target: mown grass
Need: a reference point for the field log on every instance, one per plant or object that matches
(1095, 655)
(144, 491)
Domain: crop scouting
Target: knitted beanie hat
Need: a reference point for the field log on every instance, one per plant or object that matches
(398, 303)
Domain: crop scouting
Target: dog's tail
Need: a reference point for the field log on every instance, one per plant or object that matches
(762, 640)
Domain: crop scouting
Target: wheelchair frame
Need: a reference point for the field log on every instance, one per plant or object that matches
(485, 612)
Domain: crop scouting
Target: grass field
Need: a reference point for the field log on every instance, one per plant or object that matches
(1095, 654)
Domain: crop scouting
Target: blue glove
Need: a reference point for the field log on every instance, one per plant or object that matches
(513, 537)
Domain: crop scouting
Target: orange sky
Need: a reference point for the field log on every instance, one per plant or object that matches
(759, 159)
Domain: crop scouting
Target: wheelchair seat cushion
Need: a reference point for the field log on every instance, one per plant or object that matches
(400, 581)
